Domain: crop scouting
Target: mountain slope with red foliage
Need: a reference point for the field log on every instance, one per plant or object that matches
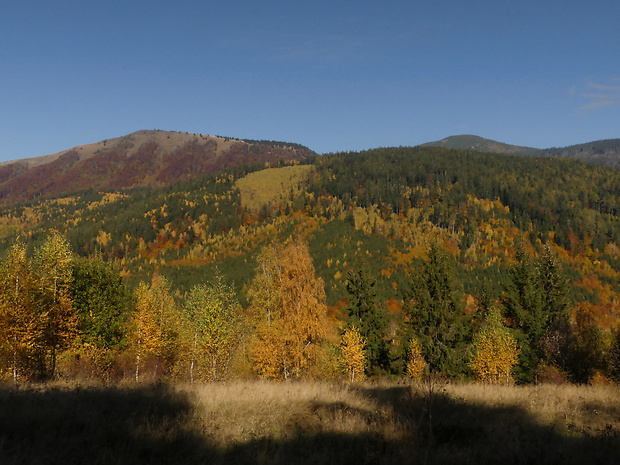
(143, 158)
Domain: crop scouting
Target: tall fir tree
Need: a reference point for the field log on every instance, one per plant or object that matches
(536, 304)
(370, 320)
(434, 307)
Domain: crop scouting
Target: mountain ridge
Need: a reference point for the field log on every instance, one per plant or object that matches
(602, 152)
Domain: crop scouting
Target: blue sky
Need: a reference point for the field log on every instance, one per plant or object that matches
(332, 75)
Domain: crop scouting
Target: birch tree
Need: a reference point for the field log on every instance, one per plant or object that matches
(212, 313)
(54, 275)
(154, 323)
(290, 329)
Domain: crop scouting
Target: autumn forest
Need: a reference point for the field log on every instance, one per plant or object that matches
(278, 264)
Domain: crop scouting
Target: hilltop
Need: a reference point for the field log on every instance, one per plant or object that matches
(480, 144)
(141, 159)
(602, 152)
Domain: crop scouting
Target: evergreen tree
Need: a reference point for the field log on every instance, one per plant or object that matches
(536, 304)
(523, 306)
(434, 307)
(365, 314)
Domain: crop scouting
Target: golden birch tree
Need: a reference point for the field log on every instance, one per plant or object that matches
(290, 316)
(495, 351)
(416, 366)
(54, 276)
(154, 323)
(19, 329)
(211, 312)
(352, 355)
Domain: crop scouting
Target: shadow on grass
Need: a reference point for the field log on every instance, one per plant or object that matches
(159, 425)
(97, 425)
(455, 431)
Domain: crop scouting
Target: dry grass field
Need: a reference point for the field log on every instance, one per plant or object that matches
(305, 422)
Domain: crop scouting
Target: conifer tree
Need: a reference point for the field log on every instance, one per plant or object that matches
(102, 302)
(536, 305)
(365, 314)
(434, 308)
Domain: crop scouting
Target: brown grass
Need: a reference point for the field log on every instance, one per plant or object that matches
(306, 422)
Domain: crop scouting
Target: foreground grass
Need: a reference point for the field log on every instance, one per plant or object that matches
(257, 422)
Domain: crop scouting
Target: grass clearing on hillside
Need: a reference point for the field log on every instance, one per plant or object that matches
(307, 422)
(272, 185)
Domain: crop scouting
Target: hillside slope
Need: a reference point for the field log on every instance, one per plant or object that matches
(140, 159)
(382, 207)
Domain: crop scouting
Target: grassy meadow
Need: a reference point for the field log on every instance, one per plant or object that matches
(308, 422)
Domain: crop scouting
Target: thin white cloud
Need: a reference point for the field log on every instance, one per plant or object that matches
(598, 95)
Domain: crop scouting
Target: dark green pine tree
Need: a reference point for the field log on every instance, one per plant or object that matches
(369, 318)
(536, 304)
(434, 307)
(524, 308)
(553, 285)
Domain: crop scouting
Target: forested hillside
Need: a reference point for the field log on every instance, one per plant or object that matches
(385, 262)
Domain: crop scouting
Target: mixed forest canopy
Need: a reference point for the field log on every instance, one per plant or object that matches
(391, 261)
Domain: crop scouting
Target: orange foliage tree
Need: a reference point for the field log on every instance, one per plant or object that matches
(288, 305)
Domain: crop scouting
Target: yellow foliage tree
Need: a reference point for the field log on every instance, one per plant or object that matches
(288, 305)
(154, 322)
(352, 355)
(416, 365)
(54, 276)
(19, 329)
(211, 313)
(495, 351)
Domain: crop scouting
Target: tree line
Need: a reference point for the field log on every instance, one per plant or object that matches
(67, 316)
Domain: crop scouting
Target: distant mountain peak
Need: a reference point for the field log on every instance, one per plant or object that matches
(480, 144)
(602, 152)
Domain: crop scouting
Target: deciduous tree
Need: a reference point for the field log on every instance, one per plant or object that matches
(288, 333)
(20, 331)
(54, 275)
(154, 323)
(416, 366)
(494, 351)
(212, 314)
(352, 356)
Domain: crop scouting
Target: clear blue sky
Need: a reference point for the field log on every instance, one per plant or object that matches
(332, 75)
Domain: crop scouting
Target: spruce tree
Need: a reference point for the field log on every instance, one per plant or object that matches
(371, 321)
(434, 307)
